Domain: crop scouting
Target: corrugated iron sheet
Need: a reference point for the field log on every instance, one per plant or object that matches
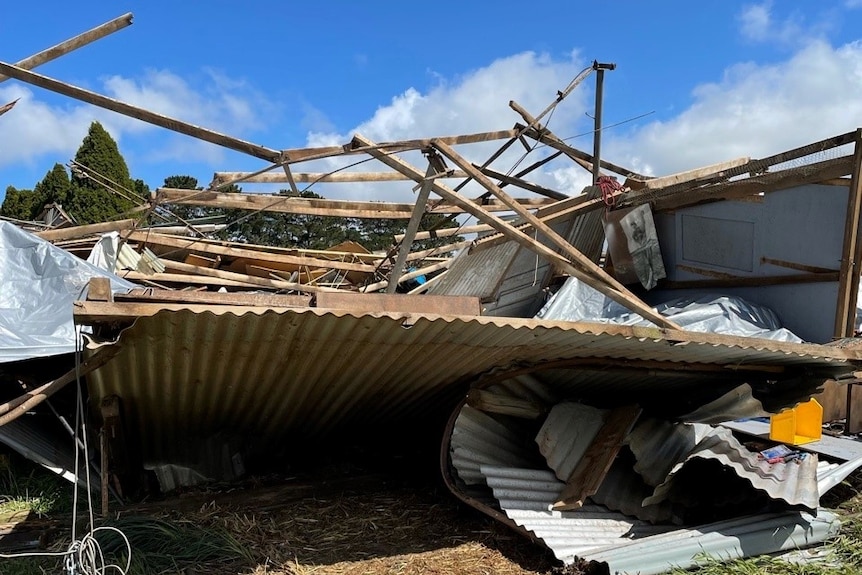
(794, 482)
(303, 373)
(566, 434)
(658, 445)
(745, 537)
(526, 495)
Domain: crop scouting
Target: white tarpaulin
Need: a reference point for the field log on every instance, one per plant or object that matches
(38, 284)
(576, 301)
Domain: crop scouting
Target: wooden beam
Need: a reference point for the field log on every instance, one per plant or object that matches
(446, 232)
(491, 402)
(713, 172)
(71, 44)
(797, 266)
(387, 303)
(591, 470)
(220, 178)
(99, 289)
(76, 232)
(519, 183)
(412, 226)
(177, 243)
(408, 276)
(547, 138)
(139, 113)
(764, 183)
(317, 207)
(93, 312)
(296, 155)
(622, 297)
(732, 282)
(244, 278)
(188, 279)
(213, 298)
(851, 252)
(597, 276)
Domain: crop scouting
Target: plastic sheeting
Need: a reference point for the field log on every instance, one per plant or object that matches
(576, 301)
(38, 284)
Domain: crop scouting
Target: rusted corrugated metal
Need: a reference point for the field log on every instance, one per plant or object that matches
(303, 373)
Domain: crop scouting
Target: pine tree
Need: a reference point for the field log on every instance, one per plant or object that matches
(90, 202)
(20, 204)
(55, 187)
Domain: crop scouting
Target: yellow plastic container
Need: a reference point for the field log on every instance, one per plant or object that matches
(798, 425)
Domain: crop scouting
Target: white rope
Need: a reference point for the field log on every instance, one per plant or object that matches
(84, 556)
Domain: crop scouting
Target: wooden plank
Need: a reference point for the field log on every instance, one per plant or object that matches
(176, 243)
(317, 207)
(797, 266)
(214, 298)
(490, 402)
(246, 279)
(220, 178)
(408, 276)
(751, 281)
(91, 312)
(297, 155)
(764, 183)
(199, 260)
(71, 44)
(76, 232)
(139, 113)
(851, 252)
(187, 279)
(412, 227)
(523, 184)
(384, 302)
(620, 296)
(594, 465)
(99, 289)
(714, 171)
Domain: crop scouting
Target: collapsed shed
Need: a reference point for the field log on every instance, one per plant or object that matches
(243, 350)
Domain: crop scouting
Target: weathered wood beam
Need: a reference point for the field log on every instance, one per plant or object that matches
(93, 312)
(220, 178)
(400, 303)
(519, 183)
(851, 252)
(187, 279)
(140, 113)
(296, 155)
(732, 282)
(408, 276)
(412, 227)
(71, 44)
(446, 232)
(244, 278)
(547, 138)
(211, 298)
(714, 171)
(76, 232)
(764, 183)
(591, 470)
(318, 207)
(622, 297)
(176, 243)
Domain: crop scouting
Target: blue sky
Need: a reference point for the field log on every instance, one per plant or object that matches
(717, 80)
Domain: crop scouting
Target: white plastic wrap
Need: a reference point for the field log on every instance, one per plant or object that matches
(38, 284)
(576, 301)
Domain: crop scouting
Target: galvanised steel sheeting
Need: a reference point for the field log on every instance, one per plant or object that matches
(526, 495)
(306, 372)
(658, 445)
(794, 482)
(478, 438)
(744, 537)
(567, 432)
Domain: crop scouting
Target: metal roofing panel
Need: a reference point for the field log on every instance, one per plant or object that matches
(302, 373)
(658, 445)
(794, 482)
(725, 540)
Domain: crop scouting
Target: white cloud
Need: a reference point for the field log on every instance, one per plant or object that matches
(473, 102)
(755, 110)
(758, 24)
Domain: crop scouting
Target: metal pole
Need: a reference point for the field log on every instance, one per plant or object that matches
(597, 133)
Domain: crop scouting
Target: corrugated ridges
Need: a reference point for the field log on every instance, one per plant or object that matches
(794, 482)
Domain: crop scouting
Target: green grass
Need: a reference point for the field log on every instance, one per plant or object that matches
(26, 487)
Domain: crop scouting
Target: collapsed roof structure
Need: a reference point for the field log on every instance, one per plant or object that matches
(241, 350)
